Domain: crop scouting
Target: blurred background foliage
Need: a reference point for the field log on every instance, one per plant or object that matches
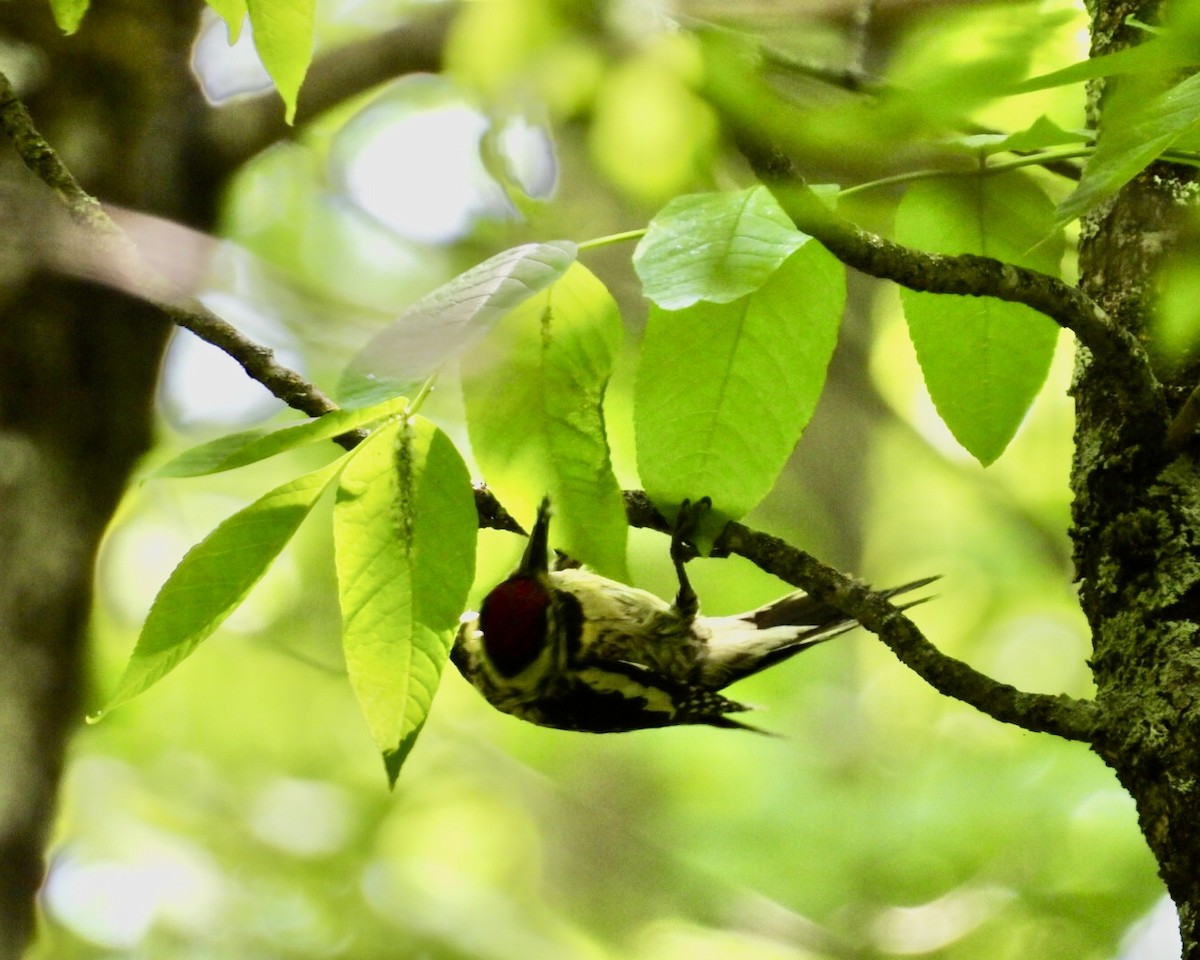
(239, 810)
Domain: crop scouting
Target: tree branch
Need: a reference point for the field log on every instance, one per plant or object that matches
(131, 271)
(962, 274)
(1060, 715)
(45, 163)
(977, 276)
(258, 361)
(853, 78)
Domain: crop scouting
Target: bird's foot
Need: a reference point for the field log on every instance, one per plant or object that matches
(683, 550)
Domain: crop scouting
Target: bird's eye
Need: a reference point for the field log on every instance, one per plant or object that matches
(513, 620)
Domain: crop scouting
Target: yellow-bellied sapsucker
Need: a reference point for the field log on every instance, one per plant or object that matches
(577, 651)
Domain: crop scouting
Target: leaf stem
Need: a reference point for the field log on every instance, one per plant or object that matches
(611, 238)
(1042, 158)
(423, 394)
(984, 169)
(1189, 157)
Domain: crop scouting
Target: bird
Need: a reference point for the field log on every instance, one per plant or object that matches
(573, 650)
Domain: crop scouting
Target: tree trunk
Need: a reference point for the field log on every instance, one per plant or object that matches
(1137, 524)
(79, 366)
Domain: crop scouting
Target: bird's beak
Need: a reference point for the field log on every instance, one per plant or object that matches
(535, 561)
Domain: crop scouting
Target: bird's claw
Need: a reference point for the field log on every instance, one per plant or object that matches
(683, 550)
(687, 520)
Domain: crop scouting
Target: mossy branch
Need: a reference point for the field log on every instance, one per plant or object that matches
(1060, 715)
(964, 274)
(975, 276)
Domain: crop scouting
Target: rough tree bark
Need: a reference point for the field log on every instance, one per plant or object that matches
(1137, 521)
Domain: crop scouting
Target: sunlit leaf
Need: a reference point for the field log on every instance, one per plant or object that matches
(713, 246)
(444, 323)
(1152, 56)
(214, 577)
(983, 360)
(283, 37)
(981, 52)
(68, 14)
(1131, 140)
(251, 446)
(233, 12)
(533, 394)
(724, 390)
(404, 529)
(1042, 133)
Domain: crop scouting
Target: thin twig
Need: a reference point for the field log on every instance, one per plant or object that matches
(986, 168)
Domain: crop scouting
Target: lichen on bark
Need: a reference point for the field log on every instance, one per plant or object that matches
(1136, 520)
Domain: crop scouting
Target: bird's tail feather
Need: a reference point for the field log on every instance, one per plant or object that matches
(797, 610)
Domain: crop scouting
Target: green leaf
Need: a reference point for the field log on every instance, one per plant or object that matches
(1130, 140)
(534, 395)
(981, 52)
(283, 37)
(251, 446)
(404, 528)
(233, 12)
(443, 324)
(68, 14)
(725, 390)
(983, 360)
(214, 577)
(714, 247)
(1156, 55)
(1043, 133)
